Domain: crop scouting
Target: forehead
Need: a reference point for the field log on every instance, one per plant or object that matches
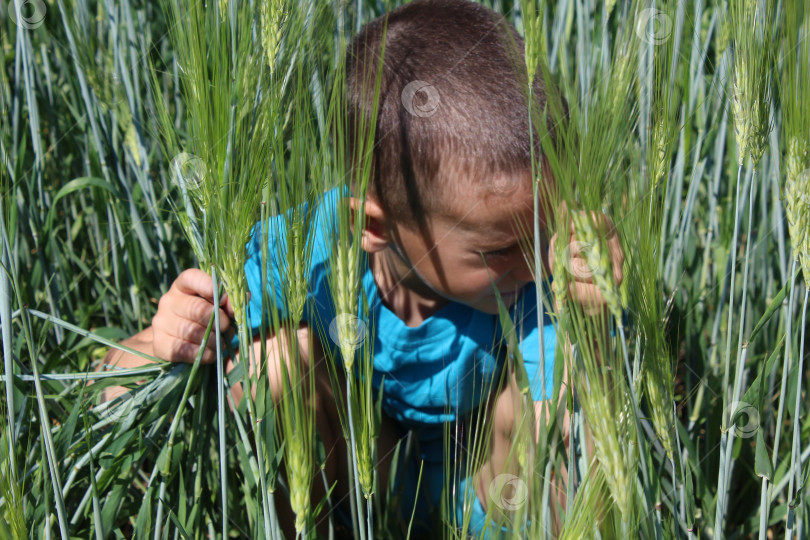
(493, 212)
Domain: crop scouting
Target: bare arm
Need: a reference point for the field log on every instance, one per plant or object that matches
(142, 341)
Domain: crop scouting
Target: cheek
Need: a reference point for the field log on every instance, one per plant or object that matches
(480, 282)
(468, 280)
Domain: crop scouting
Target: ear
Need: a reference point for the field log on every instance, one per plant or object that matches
(374, 236)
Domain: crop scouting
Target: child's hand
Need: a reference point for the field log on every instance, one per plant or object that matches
(183, 315)
(581, 288)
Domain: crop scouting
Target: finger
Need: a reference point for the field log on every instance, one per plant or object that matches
(587, 296)
(225, 303)
(552, 255)
(617, 259)
(580, 270)
(224, 322)
(193, 308)
(195, 282)
(186, 351)
(188, 319)
(571, 225)
(174, 328)
(561, 213)
(605, 227)
(609, 226)
(576, 261)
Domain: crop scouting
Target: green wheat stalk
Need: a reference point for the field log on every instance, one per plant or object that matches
(796, 115)
(754, 56)
(353, 177)
(231, 108)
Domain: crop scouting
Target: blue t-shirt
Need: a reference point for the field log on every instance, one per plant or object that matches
(431, 374)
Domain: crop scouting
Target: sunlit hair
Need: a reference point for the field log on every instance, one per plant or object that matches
(469, 124)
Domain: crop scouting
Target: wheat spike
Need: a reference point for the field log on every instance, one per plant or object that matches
(272, 16)
(346, 275)
(747, 124)
(365, 467)
(614, 450)
(233, 279)
(534, 44)
(598, 262)
(751, 86)
(296, 272)
(621, 78)
(299, 481)
(659, 396)
(797, 201)
(659, 165)
(559, 284)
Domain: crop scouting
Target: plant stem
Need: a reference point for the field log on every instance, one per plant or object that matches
(721, 480)
(97, 524)
(538, 277)
(329, 504)
(223, 455)
(370, 517)
(642, 447)
(8, 359)
(795, 467)
(356, 474)
(742, 350)
(45, 424)
(786, 364)
(166, 470)
(271, 525)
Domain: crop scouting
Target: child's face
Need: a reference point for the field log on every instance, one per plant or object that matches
(448, 259)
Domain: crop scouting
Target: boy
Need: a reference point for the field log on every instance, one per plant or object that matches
(451, 176)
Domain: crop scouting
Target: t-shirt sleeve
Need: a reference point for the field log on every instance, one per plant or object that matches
(525, 317)
(274, 232)
(318, 301)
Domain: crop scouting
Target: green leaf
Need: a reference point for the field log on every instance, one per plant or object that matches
(510, 336)
(755, 392)
(112, 505)
(63, 438)
(131, 142)
(176, 522)
(775, 304)
(762, 461)
(690, 497)
(75, 185)
(5, 532)
(792, 385)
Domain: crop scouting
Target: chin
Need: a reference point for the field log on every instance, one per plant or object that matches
(490, 304)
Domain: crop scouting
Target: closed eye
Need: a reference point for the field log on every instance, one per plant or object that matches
(500, 252)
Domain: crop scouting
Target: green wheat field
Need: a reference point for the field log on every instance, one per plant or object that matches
(139, 139)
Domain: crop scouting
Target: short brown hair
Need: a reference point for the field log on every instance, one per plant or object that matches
(452, 102)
